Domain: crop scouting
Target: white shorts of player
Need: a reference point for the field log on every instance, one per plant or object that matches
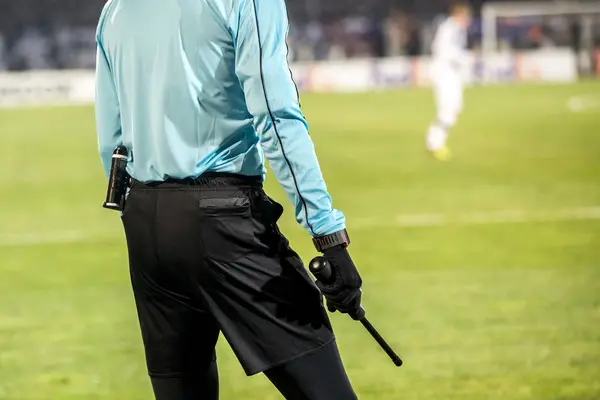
(448, 88)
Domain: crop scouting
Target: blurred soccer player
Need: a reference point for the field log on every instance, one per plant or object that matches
(199, 92)
(449, 56)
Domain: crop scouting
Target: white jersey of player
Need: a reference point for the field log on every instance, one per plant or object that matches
(449, 51)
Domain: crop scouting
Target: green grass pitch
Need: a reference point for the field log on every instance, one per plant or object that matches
(483, 272)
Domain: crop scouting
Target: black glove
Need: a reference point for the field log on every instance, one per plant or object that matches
(344, 293)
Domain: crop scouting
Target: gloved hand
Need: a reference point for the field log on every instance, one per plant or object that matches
(344, 293)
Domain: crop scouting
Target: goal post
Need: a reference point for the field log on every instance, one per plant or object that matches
(493, 12)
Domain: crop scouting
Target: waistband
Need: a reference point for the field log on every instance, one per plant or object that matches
(207, 180)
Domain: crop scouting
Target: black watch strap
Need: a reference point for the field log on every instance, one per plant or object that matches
(339, 238)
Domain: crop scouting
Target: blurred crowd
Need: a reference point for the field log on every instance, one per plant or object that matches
(44, 34)
(58, 34)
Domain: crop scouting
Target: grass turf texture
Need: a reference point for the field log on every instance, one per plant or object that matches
(484, 310)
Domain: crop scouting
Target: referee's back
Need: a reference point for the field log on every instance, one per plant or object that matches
(173, 65)
(195, 86)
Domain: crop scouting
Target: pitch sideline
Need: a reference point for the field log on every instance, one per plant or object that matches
(481, 218)
(583, 103)
(401, 221)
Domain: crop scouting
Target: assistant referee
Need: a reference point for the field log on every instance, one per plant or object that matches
(199, 92)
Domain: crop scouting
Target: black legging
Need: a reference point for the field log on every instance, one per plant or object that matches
(317, 376)
(196, 387)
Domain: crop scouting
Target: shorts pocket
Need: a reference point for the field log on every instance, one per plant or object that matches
(234, 206)
(226, 227)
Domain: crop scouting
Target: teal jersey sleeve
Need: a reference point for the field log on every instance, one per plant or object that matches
(260, 30)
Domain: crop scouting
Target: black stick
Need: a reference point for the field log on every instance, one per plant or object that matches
(386, 347)
(321, 269)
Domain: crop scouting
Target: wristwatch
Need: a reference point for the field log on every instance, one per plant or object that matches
(326, 242)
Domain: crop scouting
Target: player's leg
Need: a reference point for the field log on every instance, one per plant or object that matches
(448, 94)
(179, 336)
(446, 116)
(317, 376)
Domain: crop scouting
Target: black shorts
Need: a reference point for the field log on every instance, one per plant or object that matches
(207, 257)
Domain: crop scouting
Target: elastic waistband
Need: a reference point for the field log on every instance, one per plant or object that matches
(208, 180)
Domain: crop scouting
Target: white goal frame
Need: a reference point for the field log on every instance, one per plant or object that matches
(492, 12)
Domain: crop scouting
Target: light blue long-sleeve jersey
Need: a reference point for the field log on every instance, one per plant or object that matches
(191, 86)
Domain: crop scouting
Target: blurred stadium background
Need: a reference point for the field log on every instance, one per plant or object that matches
(483, 271)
